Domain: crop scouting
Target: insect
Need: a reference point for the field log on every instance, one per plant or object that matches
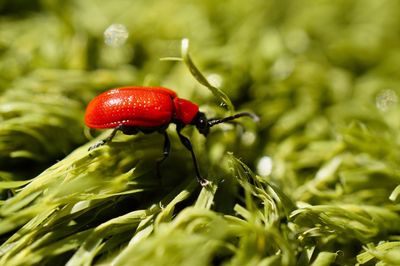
(150, 109)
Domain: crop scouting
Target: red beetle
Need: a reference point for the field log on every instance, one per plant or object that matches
(149, 109)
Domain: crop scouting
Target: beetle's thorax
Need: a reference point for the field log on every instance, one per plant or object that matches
(185, 111)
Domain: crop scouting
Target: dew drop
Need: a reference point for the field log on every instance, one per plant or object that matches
(264, 166)
(386, 99)
(215, 80)
(248, 138)
(116, 35)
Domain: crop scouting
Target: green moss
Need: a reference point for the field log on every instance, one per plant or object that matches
(322, 76)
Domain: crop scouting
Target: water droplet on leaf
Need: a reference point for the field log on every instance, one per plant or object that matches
(264, 166)
(215, 80)
(248, 138)
(386, 99)
(116, 35)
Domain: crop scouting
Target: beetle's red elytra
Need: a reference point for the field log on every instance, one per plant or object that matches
(138, 106)
(150, 109)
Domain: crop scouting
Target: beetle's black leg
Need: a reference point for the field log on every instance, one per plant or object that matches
(186, 142)
(106, 140)
(166, 151)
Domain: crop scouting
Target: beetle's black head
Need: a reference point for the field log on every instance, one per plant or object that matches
(201, 123)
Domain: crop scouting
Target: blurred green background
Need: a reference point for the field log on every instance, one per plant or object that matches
(316, 181)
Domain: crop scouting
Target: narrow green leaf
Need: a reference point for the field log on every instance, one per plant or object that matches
(218, 93)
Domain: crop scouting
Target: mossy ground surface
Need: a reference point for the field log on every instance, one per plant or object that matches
(323, 76)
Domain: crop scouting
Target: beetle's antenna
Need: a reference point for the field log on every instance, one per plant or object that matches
(213, 122)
